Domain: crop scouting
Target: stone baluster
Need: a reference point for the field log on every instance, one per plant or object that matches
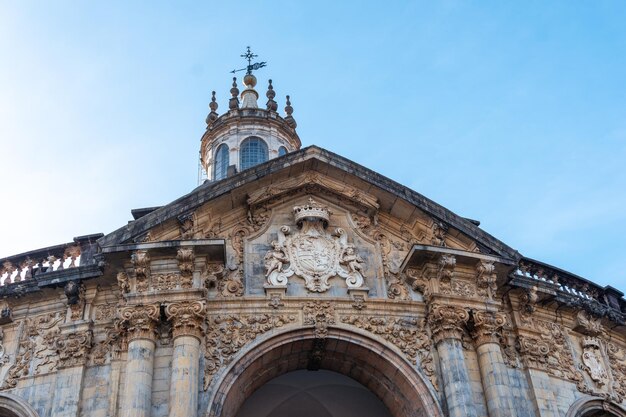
(496, 384)
(447, 323)
(187, 319)
(141, 322)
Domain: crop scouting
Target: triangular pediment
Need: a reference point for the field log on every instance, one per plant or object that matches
(246, 199)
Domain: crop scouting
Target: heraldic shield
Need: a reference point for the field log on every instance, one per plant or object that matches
(313, 254)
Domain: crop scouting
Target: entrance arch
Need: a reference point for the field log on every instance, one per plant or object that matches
(14, 406)
(319, 393)
(375, 365)
(595, 407)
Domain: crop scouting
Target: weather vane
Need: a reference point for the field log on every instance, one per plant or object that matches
(250, 56)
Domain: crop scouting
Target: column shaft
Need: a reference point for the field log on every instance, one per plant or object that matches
(184, 385)
(456, 382)
(496, 382)
(447, 324)
(137, 399)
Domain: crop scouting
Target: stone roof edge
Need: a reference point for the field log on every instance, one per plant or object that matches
(209, 191)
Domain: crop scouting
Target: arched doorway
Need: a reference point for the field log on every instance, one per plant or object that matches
(14, 406)
(375, 365)
(595, 407)
(306, 393)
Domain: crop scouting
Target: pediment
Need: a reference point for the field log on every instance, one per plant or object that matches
(244, 203)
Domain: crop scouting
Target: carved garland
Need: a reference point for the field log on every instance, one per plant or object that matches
(408, 334)
(227, 334)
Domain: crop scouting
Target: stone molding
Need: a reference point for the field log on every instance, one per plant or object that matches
(187, 318)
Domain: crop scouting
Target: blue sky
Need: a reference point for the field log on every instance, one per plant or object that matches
(512, 113)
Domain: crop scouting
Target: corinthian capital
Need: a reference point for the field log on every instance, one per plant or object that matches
(487, 326)
(187, 318)
(140, 321)
(447, 321)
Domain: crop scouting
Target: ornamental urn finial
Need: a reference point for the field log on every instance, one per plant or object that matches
(271, 104)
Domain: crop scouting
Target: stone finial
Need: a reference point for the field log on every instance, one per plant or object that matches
(213, 106)
(289, 118)
(233, 103)
(249, 95)
(271, 104)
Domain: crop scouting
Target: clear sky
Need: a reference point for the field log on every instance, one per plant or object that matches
(513, 113)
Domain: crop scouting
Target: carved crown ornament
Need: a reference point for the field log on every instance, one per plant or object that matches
(312, 253)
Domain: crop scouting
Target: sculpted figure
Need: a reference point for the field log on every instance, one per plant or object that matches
(351, 259)
(275, 259)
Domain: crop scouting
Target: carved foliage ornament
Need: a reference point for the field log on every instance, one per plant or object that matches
(227, 334)
(73, 348)
(320, 314)
(186, 317)
(408, 334)
(312, 253)
(140, 321)
(447, 322)
(487, 326)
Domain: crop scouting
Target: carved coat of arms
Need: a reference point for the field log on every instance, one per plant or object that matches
(312, 253)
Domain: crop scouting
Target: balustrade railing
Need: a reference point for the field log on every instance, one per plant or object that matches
(570, 285)
(27, 265)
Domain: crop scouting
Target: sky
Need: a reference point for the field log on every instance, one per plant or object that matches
(512, 113)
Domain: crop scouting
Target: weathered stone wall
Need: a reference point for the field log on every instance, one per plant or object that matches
(177, 318)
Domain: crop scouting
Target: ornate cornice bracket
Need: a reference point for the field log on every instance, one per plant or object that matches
(486, 278)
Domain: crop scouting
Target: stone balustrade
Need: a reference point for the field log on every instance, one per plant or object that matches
(570, 288)
(33, 264)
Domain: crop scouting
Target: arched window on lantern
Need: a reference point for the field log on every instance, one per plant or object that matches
(282, 151)
(220, 167)
(253, 151)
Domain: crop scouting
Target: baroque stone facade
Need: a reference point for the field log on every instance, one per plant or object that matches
(304, 261)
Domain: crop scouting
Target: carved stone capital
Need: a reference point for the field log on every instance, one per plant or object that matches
(187, 318)
(487, 327)
(140, 321)
(73, 348)
(447, 321)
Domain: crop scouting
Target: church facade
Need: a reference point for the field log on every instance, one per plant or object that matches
(297, 282)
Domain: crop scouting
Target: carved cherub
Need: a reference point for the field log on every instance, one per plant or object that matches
(350, 258)
(275, 259)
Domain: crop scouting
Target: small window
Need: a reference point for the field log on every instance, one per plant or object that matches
(282, 151)
(221, 162)
(253, 151)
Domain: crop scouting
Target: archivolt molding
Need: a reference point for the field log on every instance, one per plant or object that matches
(16, 405)
(402, 367)
(588, 406)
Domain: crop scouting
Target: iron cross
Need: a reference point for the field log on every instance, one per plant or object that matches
(251, 67)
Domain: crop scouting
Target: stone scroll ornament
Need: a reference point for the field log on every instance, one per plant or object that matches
(312, 253)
